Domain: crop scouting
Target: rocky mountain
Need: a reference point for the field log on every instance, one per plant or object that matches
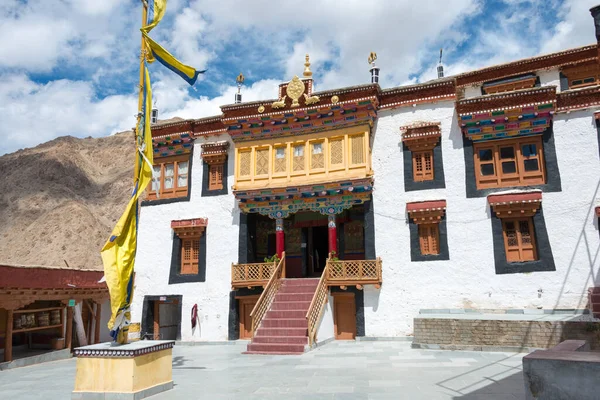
(60, 200)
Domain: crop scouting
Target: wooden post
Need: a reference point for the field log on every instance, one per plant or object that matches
(97, 327)
(279, 237)
(332, 234)
(69, 333)
(8, 337)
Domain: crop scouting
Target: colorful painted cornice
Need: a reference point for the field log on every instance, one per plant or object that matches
(189, 227)
(515, 204)
(327, 198)
(214, 153)
(578, 99)
(172, 145)
(304, 120)
(520, 113)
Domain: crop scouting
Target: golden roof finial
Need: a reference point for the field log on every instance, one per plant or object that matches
(307, 72)
(372, 57)
(240, 79)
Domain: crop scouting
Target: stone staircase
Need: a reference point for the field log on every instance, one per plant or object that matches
(284, 328)
(595, 301)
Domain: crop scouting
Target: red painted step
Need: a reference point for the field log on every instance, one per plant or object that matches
(281, 331)
(294, 297)
(290, 305)
(274, 314)
(276, 347)
(297, 289)
(281, 339)
(285, 323)
(301, 282)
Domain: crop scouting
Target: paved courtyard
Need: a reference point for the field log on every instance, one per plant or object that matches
(337, 370)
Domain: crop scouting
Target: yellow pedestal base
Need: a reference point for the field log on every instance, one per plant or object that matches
(133, 371)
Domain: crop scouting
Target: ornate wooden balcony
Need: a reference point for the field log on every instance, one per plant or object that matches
(354, 273)
(249, 275)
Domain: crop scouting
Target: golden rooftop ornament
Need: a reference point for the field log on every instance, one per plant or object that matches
(240, 79)
(307, 72)
(372, 57)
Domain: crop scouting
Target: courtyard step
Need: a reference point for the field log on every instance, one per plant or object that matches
(284, 329)
(276, 347)
(281, 339)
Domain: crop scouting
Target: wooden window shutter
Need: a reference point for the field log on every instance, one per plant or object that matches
(189, 255)
(215, 179)
(422, 166)
(429, 239)
(519, 239)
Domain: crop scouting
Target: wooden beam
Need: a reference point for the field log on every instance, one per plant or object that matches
(97, 327)
(69, 333)
(8, 337)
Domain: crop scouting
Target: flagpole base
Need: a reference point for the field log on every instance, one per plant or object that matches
(132, 371)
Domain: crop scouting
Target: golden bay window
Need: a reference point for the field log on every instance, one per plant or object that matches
(170, 178)
(513, 162)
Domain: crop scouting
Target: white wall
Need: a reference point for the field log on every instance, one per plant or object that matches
(326, 328)
(468, 279)
(550, 78)
(153, 259)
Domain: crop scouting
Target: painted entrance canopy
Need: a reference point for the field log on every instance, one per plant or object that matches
(328, 198)
(520, 113)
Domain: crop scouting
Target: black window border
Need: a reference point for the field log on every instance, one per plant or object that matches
(439, 180)
(544, 250)
(205, 179)
(553, 182)
(415, 244)
(158, 202)
(175, 276)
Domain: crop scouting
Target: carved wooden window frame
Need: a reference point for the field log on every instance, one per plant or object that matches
(215, 156)
(421, 139)
(516, 213)
(190, 233)
(498, 159)
(427, 216)
(160, 168)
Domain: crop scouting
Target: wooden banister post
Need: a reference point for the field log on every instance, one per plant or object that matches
(8, 337)
(97, 327)
(69, 333)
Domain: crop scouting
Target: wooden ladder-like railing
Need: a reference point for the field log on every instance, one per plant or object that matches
(317, 306)
(266, 298)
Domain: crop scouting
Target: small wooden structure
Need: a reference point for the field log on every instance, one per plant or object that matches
(41, 299)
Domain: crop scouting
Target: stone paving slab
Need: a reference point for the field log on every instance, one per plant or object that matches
(510, 317)
(362, 370)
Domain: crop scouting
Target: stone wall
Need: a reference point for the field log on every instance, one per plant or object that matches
(502, 333)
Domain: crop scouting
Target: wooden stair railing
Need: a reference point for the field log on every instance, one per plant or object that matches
(266, 298)
(248, 275)
(317, 306)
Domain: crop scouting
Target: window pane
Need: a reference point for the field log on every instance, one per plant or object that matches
(298, 151)
(511, 235)
(507, 152)
(509, 167)
(169, 169)
(588, 80)
(317, 148)
(182, 180)
(280, 153)
(183, 167)
(525, 236)
(418, 162)
(529, 150)
(531, 165)
(169, 182)
(156, 178)
(486, 155)
(487, 169)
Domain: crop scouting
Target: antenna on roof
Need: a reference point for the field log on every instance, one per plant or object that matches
(440, 67)
(240, 82)
(154, 115)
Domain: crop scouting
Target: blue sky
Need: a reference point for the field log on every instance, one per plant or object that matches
(70, 67)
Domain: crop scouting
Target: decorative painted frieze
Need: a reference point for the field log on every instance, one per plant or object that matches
(189, 227)
(214, 153)
(518, 204)
(421, 135)
(172, 145)
(426, 212)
